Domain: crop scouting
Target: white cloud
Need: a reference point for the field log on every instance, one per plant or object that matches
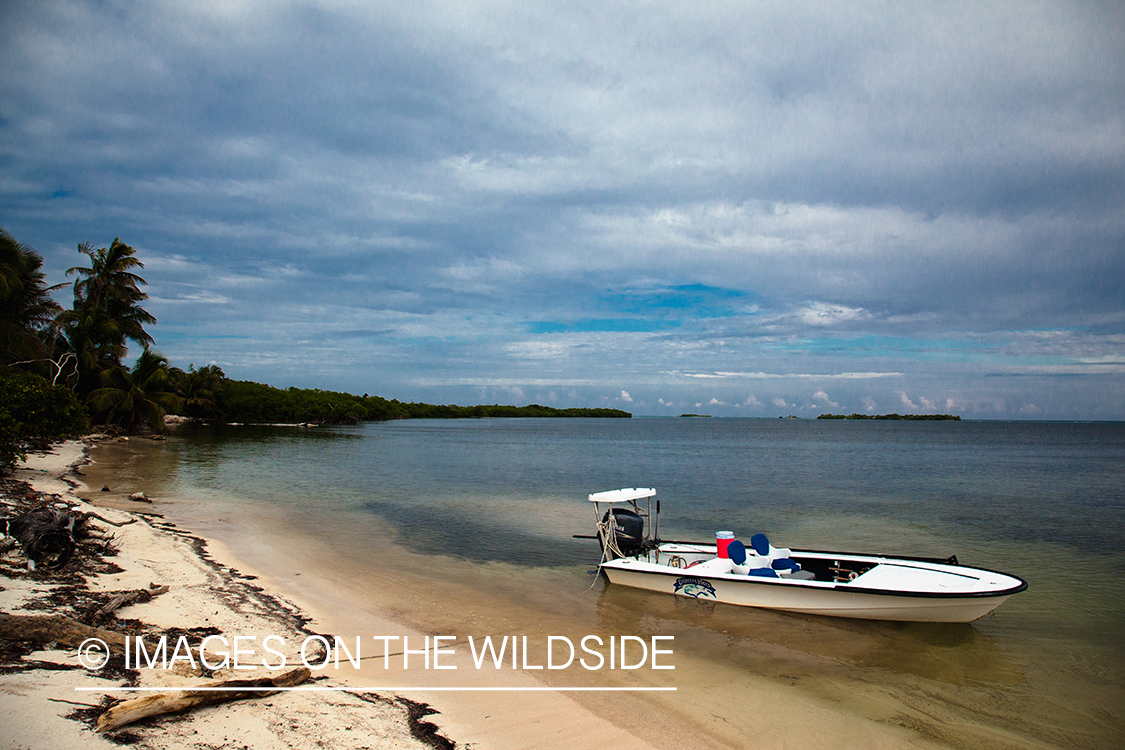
(906, 400)
(482, 276)
(869, 404)
(821, 314)
(626, 397)
(779, 402)
(204, 298)
(822, 396)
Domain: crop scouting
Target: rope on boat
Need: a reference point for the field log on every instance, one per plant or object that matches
(607, 530)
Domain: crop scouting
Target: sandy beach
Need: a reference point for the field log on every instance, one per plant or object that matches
(212, 592)
(208, 590)
(41, 707)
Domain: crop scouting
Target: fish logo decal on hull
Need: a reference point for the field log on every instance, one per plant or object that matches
(697, 588)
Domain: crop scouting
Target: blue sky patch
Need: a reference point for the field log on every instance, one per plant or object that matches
(602, 325)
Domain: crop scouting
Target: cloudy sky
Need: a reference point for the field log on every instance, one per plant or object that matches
(738, 208)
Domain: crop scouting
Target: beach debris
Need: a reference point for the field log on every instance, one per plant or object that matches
(46, 534)
(103, 519)
(426, 731)
(49, 534)
(129, 597)
(59, 629)
(135, 709)
(140, 497)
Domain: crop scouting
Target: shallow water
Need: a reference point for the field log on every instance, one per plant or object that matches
(465, 527)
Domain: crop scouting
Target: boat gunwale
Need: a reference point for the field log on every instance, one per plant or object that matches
(837, 587)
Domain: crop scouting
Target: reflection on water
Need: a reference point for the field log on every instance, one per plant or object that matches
(467, 526)
(957, 654)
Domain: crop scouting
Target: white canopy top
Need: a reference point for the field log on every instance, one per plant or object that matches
(622, 496)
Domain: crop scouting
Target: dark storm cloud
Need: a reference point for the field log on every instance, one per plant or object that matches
(587, 200)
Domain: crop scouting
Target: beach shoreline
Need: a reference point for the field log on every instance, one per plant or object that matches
(211, 588)
(344, 596)
(207, 593)
(301, 576)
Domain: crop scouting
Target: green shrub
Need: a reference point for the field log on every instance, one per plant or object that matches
(34, 411)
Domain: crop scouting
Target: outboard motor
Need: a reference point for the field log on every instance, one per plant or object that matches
(629, 534)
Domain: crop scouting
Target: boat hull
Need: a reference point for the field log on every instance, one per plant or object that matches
(981, 591)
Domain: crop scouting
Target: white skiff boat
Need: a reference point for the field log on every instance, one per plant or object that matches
(840, 584)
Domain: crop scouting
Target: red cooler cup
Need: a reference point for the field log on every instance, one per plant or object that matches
(722, 541)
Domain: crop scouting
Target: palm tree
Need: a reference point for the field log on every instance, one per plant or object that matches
(26, 307)
(134, 397)
(106, 312)
(199, 390)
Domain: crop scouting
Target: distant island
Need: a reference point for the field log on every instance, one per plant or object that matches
(907, 417)
(696, 416)
(247, 401)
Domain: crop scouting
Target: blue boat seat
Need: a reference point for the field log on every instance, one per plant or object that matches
(743, 563)
(776, 558)
(763, 547)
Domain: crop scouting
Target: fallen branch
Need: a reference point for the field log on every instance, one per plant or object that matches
(129, 597)
(111, 523)
(135, 709)
(59, 629)
(73, 703)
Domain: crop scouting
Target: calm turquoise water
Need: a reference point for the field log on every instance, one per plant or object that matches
(1045, 501)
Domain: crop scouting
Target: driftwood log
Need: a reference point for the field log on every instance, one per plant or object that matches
(46, 535)
(49, 535)
(56, 629)
(106, 520)
(128, 597)
(135, 709)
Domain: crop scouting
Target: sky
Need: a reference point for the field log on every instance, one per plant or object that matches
(745, 209)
